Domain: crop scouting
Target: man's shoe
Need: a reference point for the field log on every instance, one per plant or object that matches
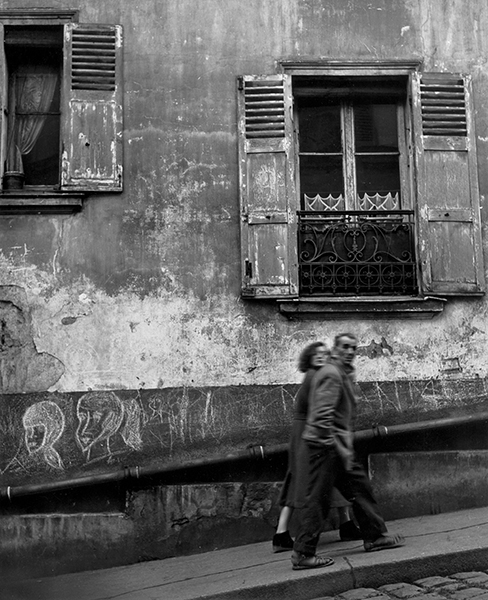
(349, 532)
(385, 542)
(305, 561)
(282, 542)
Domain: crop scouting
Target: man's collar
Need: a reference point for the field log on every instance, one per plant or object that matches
(336, 360)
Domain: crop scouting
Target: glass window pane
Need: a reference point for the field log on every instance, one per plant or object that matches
(34, 114)
(320, 126)
(375, 128)
(377, 174)
(321, 175)
(41, 164)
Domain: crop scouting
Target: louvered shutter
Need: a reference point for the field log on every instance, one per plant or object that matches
(92, 108)
(447, 185)
(3, 104)
(267, 187)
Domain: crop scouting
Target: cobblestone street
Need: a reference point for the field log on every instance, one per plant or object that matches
(459, 586)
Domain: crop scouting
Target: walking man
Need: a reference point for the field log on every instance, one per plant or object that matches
(326, 460)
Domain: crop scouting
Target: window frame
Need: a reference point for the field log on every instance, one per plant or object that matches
(363, 69)
(349, 153)
(348, 94)
(36, 46)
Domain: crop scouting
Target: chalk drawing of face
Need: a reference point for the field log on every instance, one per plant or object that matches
(34, 436)
(44, 425)
(100, 415)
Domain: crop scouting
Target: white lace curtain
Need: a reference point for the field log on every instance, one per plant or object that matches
(32, 93)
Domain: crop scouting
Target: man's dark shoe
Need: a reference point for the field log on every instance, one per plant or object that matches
(282, 542)
(385, 542)
(305, 561)
(349, 532)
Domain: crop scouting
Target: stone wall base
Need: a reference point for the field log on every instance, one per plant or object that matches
(175, 520)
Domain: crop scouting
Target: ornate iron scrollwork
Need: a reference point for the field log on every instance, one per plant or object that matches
(357, 253)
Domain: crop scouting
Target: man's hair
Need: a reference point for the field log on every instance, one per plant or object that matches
(306, 355)
(341, 335)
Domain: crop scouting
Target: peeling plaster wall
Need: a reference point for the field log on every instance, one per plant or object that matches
(141, 290)
(22, 367)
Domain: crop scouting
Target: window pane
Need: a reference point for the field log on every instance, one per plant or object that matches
(41, 165)
(375, 128)
(320, 127)
(34, 114)
(321, 175)
(377, 174)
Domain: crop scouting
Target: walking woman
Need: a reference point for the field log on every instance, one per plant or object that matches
(311, 359)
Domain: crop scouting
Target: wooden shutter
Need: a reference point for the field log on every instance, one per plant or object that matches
(3, 105)
(92, 108)
(447, 185)
(267, 188)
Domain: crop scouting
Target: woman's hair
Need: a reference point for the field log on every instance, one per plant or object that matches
(306, 355)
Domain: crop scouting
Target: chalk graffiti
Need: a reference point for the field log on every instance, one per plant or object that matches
(49, 436)
(102, 415)
(44, 425)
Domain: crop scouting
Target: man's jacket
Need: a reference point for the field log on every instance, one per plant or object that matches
(332, 404)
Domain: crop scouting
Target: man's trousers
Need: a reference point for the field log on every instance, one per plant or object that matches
(319, 470)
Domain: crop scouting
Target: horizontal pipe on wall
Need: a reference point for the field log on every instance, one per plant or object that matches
(131, 473)
(257, 452)
(381, 431)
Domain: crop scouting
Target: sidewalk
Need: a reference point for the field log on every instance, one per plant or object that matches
(436, 545)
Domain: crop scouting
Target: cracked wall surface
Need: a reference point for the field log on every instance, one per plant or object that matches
(22, 367)
(137, 296)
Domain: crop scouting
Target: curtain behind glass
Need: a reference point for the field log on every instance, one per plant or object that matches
(31, 95)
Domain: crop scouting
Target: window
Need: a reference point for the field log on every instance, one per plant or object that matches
(34, 59)
(61, 131)
(351, 143)
(353, 165)
(355, 182)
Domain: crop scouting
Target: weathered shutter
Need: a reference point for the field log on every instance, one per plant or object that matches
(447, 185)
(267, 187)
(92, 108)
(3, 105)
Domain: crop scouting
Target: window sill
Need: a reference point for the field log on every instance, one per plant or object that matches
(40, 202)
(364, 308)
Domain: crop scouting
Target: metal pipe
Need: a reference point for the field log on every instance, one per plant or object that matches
(381, 431)
(252, 452)
(131, 473)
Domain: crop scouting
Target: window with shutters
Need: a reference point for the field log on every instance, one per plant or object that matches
(61, 93)
(355, 225)
(354, 182)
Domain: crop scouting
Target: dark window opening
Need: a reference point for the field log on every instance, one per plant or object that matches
(34, 60)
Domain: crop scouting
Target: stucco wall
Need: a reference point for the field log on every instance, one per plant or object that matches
(140, 291)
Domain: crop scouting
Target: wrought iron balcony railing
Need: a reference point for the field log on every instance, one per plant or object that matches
(357, 253)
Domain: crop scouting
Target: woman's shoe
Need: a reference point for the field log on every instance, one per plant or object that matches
(349, 532)
(282, 542)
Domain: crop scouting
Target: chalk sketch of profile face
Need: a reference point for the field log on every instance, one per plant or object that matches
(100, 414)
(44, 425)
